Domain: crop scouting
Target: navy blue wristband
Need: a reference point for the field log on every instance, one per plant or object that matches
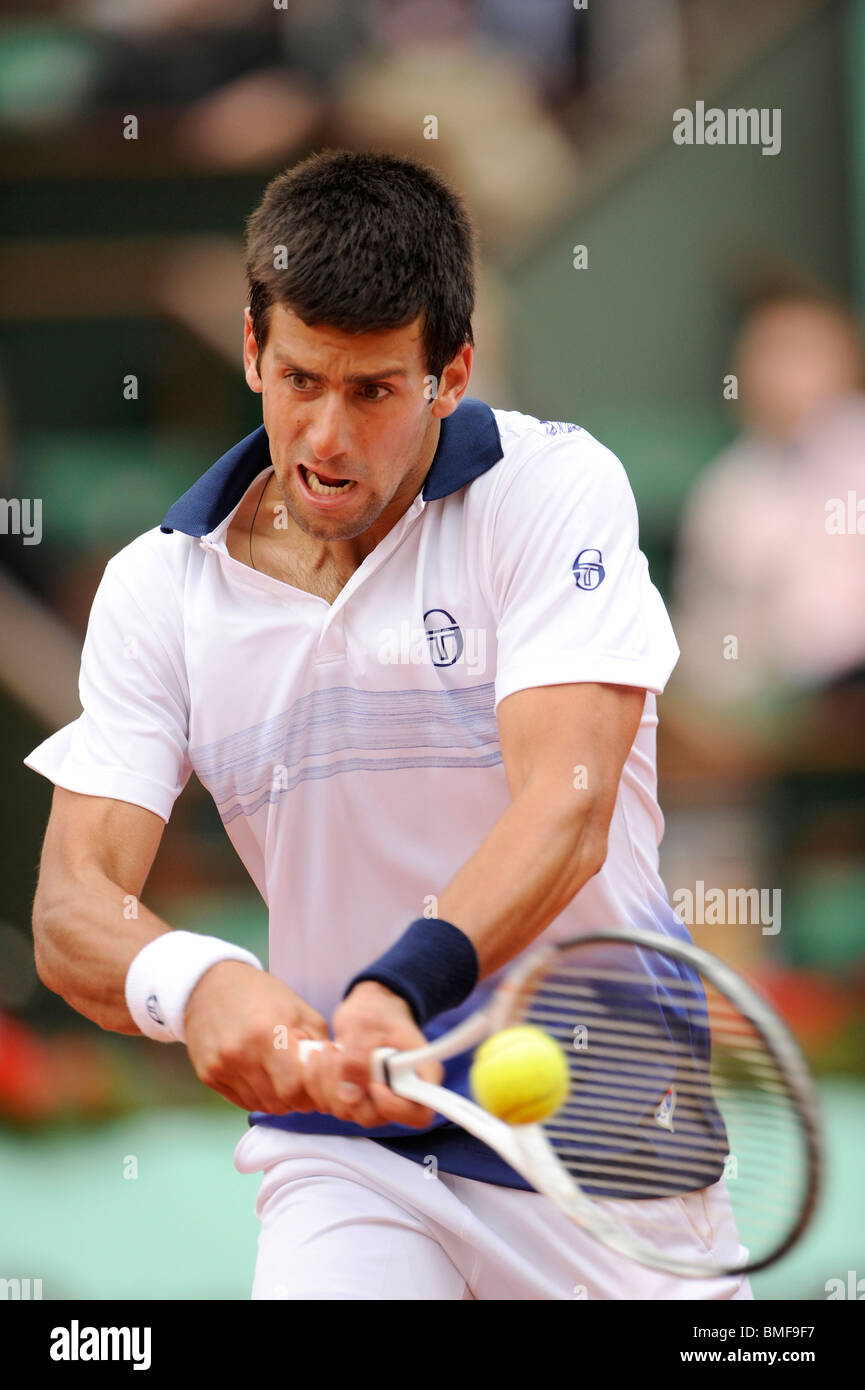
(433, 967)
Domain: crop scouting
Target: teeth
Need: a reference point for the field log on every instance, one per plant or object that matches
(315, 484)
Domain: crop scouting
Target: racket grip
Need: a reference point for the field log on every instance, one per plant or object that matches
(377, 1062)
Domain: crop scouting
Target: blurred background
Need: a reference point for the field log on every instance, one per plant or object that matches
(698, 308)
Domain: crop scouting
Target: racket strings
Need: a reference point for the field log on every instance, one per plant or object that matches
(628, 1032)
(672, 1087)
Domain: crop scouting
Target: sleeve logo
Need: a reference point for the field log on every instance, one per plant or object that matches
(559, 427)
(588, 569)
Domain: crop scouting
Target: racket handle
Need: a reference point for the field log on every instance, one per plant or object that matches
(377, 1062)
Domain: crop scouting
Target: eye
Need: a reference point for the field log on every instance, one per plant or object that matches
(372, 387)
(299, 381)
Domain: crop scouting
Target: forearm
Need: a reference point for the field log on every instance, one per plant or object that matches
(85, 939)
(524, 873)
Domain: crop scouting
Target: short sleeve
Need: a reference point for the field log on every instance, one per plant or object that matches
(131, 741)
(571, 588)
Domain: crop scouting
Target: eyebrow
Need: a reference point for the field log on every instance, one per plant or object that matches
(356, 379)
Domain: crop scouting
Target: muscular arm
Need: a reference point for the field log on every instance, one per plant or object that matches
(88, 922)
(563, 747)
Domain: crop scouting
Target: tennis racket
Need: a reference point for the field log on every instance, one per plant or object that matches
(681, 1075)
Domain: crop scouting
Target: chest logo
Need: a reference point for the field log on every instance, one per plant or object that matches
(588, 569)
(443, 637)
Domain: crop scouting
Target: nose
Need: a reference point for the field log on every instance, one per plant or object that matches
(327, 432)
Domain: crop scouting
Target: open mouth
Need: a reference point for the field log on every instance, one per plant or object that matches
(324, 486)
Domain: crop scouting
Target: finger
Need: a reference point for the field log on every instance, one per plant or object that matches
(367, 1116)
(354, 1069)
(253, 1089)
(395, 1110)
(431, 1071)
(360, 1110)
(323, 1080)
(227, 1080)
(236, 1097)
(275, 1098)
(289, 1068)
(314, 1079)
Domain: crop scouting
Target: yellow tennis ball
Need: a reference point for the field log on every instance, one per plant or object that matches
(520, 1074)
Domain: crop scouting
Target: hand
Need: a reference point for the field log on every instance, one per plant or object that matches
(338, 1079)
(242, 1026)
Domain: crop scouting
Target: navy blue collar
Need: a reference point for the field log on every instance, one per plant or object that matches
(469, 444)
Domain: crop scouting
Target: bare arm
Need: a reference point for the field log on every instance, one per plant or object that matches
(89, 923)
(563, 747)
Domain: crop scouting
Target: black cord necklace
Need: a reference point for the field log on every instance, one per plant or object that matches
(252, 526)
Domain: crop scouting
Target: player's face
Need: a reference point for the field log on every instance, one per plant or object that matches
(350, 420)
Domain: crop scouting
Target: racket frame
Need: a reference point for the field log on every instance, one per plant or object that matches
(526, 1147)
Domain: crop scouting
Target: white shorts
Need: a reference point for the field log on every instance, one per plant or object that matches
(347, 1219)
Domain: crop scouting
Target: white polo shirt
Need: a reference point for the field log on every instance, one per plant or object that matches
(351, 748)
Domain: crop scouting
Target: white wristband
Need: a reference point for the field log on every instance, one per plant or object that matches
(165, 972)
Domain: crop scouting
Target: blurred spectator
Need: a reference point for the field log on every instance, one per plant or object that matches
(770, 587)
(637, 56)
(224, 64)
(221, 71)
(434, 84)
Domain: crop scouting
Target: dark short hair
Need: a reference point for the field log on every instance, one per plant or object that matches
(363, 242)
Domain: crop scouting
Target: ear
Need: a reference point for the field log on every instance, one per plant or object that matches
(454, 380)
(250, 355)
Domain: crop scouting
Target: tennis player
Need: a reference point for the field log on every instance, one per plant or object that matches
(410, 646)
